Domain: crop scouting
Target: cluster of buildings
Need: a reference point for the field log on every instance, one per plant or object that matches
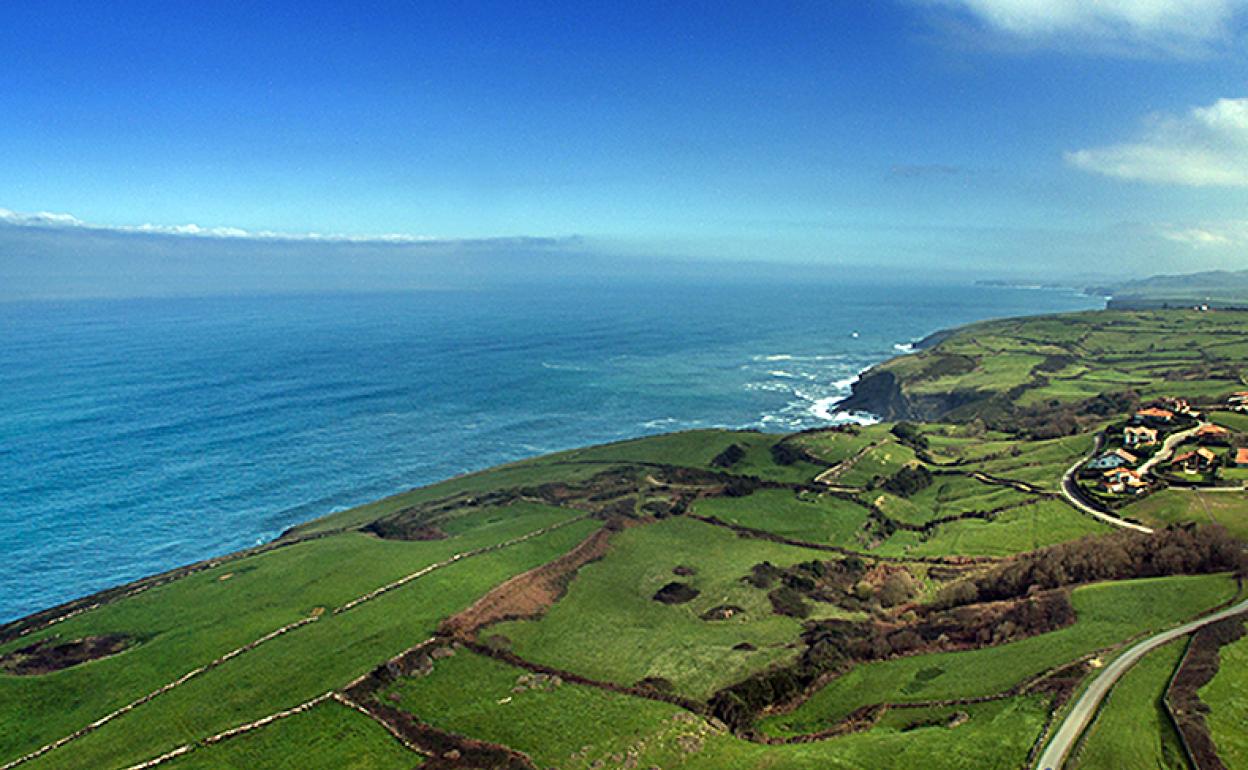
(1238, 402)
(1146, 428)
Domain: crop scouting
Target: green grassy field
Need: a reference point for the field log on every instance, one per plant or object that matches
(1227, 699)
(1025, 528)
(824, 519)
(609, 627)
(1108, 613)
(327, 737)
(279, 674)
(1132, 731)
(563, 727)
(1030, 362)
(1236, 421)
(1172, 506)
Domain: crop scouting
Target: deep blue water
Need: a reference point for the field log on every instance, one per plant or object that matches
(138, 435)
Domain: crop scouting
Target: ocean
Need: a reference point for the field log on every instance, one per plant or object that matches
(138, 435)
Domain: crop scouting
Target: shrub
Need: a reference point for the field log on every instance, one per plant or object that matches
(909, 480)
(729, 457)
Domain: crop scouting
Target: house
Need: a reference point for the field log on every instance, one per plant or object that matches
(1179, 405)
(1240, 397)
(1241, 457)
(1139, 435)
(1154, 415)
(1114, 459)
(1196, 461)
(1213, 434)
(1122, 480)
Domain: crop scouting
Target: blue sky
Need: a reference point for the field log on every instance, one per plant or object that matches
(996, 136)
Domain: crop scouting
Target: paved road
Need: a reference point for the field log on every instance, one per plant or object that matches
(1167, 448)
(1085, 708)
(1072, 496)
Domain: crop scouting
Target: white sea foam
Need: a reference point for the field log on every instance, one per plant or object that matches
(776, 357)
(665, 422)
(860, 418)
(781, 373)
(822, 407)
(845, 384)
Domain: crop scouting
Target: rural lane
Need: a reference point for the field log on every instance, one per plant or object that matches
(1072, 496)
(1085, 708)
(1167, 448)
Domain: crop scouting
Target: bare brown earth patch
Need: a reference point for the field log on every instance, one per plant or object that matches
(48, 655)
(531, 593)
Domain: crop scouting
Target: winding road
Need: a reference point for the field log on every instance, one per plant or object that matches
(1085, 708)
(1071, 493)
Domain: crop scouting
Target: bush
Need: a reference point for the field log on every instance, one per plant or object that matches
(729, 457)
(909, 480)
(909, 433)
(787, 600)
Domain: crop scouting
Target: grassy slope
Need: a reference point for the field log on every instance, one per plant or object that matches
(609, 626)
(1108, 614)
(1132, 730)
(1227, 699)
(564, 728)
(194, 620)
(821, 519)
(1171, 506)
(1014, 531)
(1154, 352)
(303, 664)
(327, 737)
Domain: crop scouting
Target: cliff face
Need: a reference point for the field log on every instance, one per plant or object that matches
(878, 392)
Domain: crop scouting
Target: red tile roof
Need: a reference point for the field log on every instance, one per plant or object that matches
(1241, 456)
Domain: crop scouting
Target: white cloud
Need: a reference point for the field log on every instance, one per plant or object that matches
(1207, 235)
(1208, 147)
(49, 220)
(1178, 27)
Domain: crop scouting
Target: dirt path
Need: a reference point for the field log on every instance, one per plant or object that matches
(836, 471)
(530, 593)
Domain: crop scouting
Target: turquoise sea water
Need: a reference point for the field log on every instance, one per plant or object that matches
(137, 435)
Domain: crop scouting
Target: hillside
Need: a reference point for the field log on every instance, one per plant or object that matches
(1012, 372)
(889, 596)
(1216, 288)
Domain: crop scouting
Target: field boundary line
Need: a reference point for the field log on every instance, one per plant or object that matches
(193, 673)
(451, 560)
(233, 732)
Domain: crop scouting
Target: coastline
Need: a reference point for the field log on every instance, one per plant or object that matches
(833, 410)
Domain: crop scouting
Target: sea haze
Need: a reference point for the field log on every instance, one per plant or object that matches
(137, 435)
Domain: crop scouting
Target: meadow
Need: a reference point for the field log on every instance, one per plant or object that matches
(1133, 731)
